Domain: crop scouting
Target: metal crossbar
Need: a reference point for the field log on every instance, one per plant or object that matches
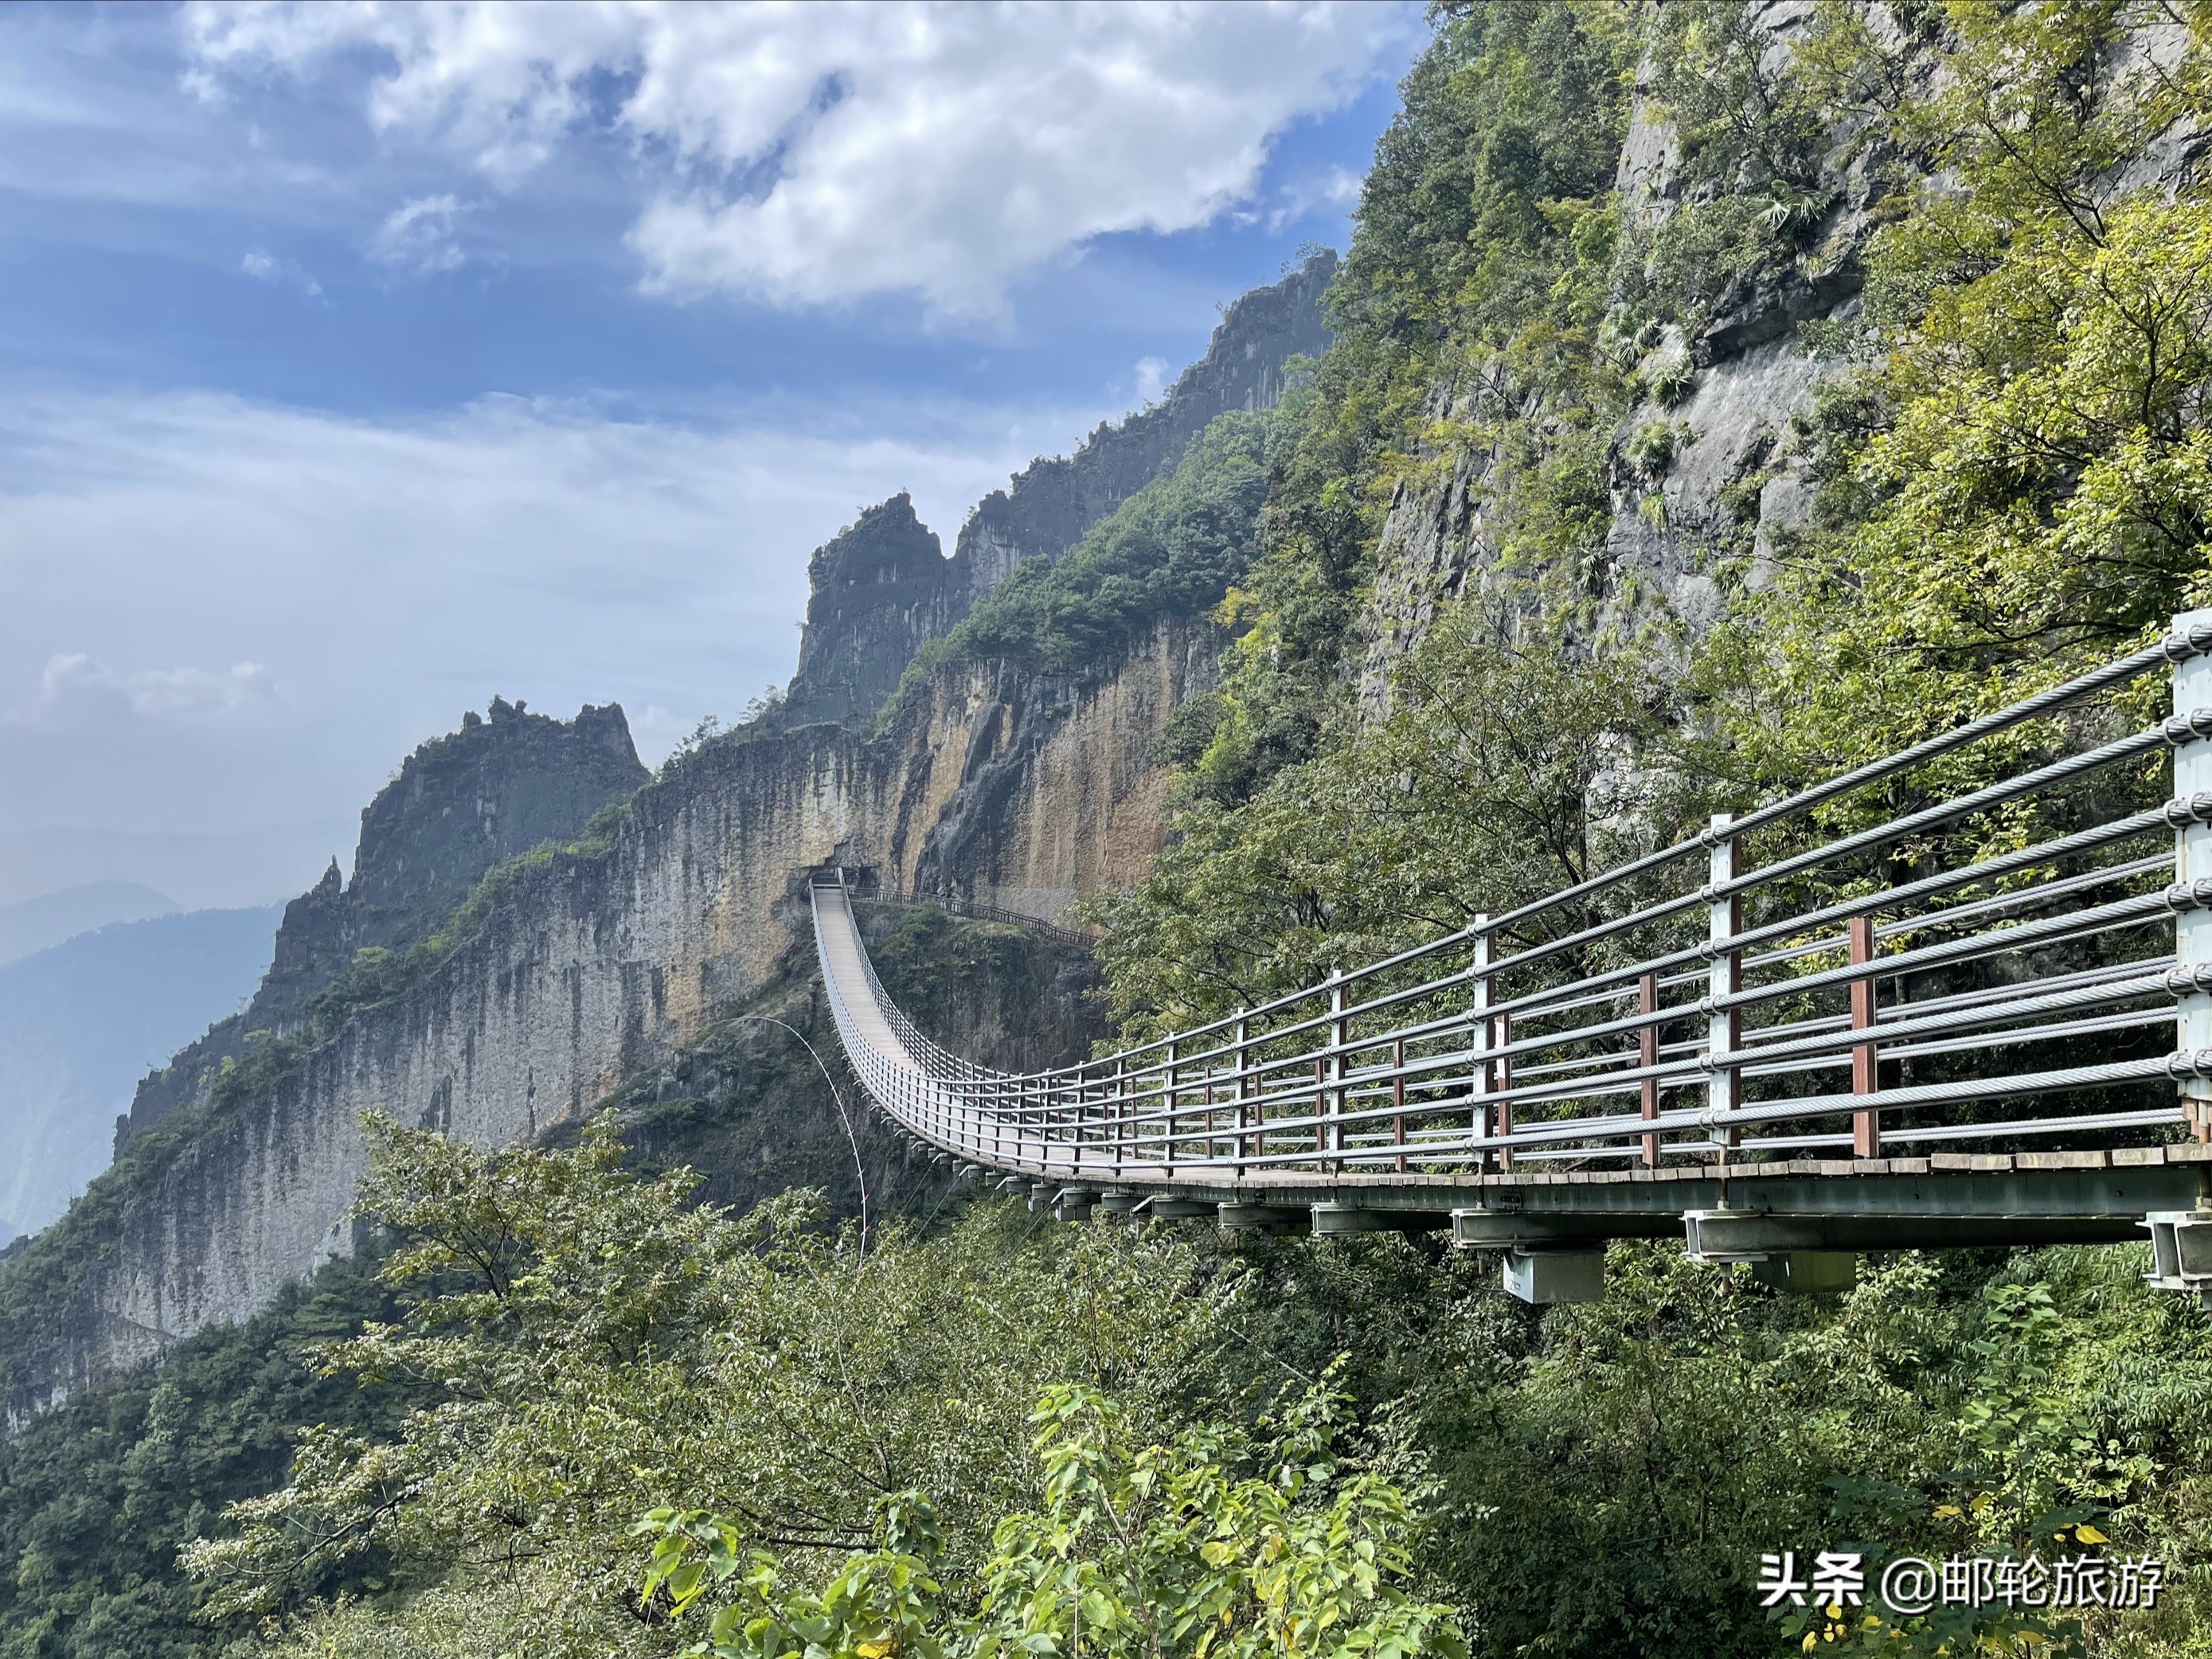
(2026, 960)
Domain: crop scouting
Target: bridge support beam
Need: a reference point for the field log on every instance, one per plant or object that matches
(2181, 1252)
(1182, 1209)
(1523, 1229)
(1550, 1277)
(1331, 1220)
(1743, 1236)
(1073, 1204)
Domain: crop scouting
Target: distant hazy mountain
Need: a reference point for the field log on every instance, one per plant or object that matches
(81, 1022)
(36, 923)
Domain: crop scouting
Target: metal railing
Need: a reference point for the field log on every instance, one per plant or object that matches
(2026, 960)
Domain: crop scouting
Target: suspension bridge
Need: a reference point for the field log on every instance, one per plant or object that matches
(1825, 1027)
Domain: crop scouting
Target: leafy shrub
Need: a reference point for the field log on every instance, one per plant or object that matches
(1650, 447)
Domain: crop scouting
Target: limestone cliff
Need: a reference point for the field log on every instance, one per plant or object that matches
(1726, 478)
(460, 804)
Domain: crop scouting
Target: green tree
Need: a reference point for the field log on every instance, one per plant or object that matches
(590, 1342)
(2018, 477)
(1145, 1550)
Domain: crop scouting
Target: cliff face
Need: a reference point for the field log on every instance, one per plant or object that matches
(1058, 791)
(602, 966)
(1731, 480)
(491, 791)
(882, 588)
(461, 804)
(1048, 507)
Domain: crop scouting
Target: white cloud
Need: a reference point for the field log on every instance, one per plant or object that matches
(418, 234)
(1337, 189)
(1152, 379)
(75, 686)
(265, 267)
(813, 154)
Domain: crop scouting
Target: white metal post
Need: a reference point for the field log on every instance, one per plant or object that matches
(1334, 1106)
(1724, 1026)
(1244, 1090)
(2192, 862)
(1171, 1103)
(1478, 1024)
(1121, 1112)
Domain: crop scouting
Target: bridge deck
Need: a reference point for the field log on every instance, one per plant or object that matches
(845, 966)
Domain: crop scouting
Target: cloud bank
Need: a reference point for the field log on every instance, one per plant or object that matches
(218, 614)
(810, 155)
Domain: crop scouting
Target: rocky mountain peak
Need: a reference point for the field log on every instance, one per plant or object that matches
(883, 588)
(463, 802)
(880, 588)
(460, 803)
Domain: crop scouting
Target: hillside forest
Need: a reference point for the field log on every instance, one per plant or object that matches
(565, 1406)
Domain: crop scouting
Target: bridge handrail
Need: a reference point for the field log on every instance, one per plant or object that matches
(2194, 639)
(1148, 1105)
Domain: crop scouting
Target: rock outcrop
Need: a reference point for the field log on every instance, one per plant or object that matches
(883, 588)
(461, 804)
(877, 593)
(1728, 480)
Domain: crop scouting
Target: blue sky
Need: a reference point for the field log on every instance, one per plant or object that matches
(360, 362)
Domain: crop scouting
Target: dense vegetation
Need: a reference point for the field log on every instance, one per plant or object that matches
(597, 1417)
(97, 1498)
(604, 1419)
